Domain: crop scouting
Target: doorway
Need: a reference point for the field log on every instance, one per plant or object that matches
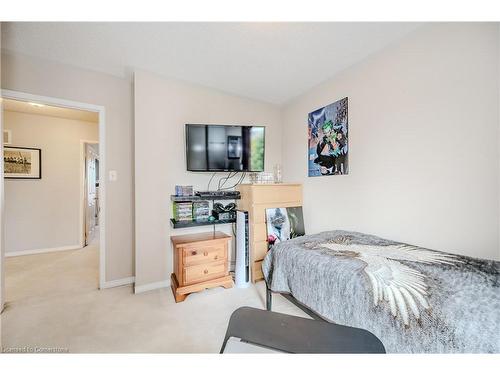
(93, 228)
(91, 192)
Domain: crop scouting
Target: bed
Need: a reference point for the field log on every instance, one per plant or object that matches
(413, 299)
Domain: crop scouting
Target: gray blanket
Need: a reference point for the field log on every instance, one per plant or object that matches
(414, 300)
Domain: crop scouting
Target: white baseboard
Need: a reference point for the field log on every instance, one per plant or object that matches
(152, 286)
(119, 282)
(41, 251)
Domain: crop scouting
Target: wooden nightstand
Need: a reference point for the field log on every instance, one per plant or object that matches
(200, 262)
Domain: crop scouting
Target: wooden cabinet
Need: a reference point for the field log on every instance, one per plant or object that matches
(200, 262)
(255, 198)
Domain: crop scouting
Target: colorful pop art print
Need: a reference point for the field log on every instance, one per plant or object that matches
(328, 149)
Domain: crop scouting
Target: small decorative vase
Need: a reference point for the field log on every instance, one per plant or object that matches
(278, 177)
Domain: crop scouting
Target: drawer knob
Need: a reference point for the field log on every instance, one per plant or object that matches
(194, 252)
(205, 272)
(205, 253)
(216, 257)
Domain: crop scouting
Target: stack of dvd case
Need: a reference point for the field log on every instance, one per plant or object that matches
(201, 210)
(183, 191)
(183, 211)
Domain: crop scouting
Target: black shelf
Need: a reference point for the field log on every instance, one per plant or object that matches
(193, 198)
(192, 223)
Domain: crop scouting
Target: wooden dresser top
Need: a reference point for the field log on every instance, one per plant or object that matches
(198, 237)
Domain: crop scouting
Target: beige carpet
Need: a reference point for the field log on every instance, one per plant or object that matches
(53, 302)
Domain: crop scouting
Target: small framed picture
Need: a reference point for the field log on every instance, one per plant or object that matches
(284, 223)
(22, 163)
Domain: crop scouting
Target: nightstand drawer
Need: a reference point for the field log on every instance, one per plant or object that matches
(203, 254)
(202, 272)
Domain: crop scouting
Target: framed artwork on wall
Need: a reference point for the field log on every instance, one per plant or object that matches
(22, 163)
(328, 140)
(284, 224)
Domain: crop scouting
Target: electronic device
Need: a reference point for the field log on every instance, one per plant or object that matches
(234, 194)
(242, 267)
(219, 207)
(218, 148)
(224, 215)
(221, 212)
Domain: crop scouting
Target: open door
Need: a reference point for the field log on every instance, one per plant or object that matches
(91, 192)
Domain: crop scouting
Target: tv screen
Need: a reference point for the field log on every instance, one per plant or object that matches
(212, 148)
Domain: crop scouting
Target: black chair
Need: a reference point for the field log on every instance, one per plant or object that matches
(292, 334)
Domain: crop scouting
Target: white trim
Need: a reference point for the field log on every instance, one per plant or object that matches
(2, 216)
(41, 251)
(25, 97)
(119, 282)
(102, 198)
(82, 188)
(152, 286)
(17, 95)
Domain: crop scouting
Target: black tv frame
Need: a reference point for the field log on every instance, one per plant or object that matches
(221, 170)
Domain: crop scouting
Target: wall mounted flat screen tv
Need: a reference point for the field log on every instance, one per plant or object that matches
(217, 148)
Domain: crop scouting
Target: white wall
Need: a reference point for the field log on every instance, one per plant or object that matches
(42, 77)
(162, 108)
(424, 160)
(498, 88)
(45, 213)
(412, 176)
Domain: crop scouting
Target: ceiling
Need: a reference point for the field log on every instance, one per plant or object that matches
(272, 62)
(47, 110)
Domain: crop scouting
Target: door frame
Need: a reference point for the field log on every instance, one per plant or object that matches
(83, 183)
(58, 102)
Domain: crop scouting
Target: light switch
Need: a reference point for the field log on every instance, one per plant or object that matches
(113, 175)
